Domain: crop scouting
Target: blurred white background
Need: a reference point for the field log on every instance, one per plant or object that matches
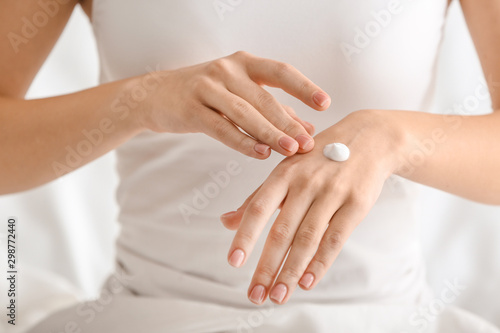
(66, 229)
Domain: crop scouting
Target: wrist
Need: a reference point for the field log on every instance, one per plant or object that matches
(372, 135)
(398, 138)
(137, 100)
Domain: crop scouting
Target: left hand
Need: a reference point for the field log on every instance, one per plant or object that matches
(321, 203)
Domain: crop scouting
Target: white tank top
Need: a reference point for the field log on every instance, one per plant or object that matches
(171, 253)
(376, 54)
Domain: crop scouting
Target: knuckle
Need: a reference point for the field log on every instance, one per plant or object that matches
(282, 172)
(257, 207)
(241, 54)
(265, 271)
(246, 144)
(288, 109)
(220, 128)
(202, 83)
(287, 170)
(194, 108)
(298, 186)
(282, 69)
(360, 199)
(280, 233)
(312, 184)
(267, 134)
(333, 240)
(307, 236)
(218, 66)
(265, 101)
(244, 237)
(291, 273)
(322, 263)
(307, 86)
(339, 186)
(291, 126)
(240, 108)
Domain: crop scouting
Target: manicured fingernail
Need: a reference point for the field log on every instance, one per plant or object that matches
(307, 280)
(305, 142)
(257, 294)
(236, 258)
(278, 293)
(288, 144)
(320, 98)
(227, 215)
(261, 148)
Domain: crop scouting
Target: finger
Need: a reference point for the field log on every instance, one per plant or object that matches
(245, 116)
(307, 125)
(304, 246)
(340, 228)
(273, 111)
(257, 213)
(276, 247)
(282, 75)
(231, 220)
(219, 128)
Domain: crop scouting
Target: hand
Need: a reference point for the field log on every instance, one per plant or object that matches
(221, 97)
(321, 203)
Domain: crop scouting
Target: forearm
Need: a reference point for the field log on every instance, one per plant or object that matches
(43, 139)
(454, 153)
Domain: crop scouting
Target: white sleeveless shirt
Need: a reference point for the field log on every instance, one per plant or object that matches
(365, 54)
(377, 54)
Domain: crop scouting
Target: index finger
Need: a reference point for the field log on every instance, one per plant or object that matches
(257, 213)
(282, 75)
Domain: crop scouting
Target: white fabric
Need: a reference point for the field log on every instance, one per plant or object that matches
(172, 245)
(382, 260)
(478, 244)
(43, 292)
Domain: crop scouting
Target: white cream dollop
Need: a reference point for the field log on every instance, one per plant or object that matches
(337, 152)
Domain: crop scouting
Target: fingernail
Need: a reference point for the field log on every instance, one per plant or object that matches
(236, 258)
(261, 148)
(288, 144)
(320, 98)
(278, 293)
(257, 294)
(305, 142)
(227, 215)
(307, 280)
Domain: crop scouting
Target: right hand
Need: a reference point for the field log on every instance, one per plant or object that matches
(221, 97)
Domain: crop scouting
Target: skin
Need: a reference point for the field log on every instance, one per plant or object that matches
(216, 98)
(322, 201)
(317, 213)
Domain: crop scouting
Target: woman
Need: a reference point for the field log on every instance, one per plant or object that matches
(162, 93)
